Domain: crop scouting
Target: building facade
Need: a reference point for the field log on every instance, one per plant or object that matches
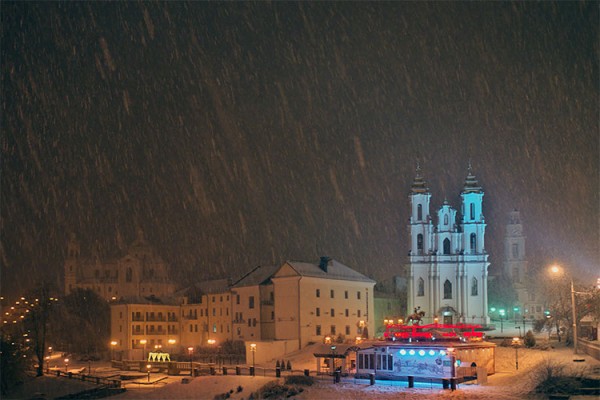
(296, 302)
(530, 305)
(448, 264)
(140, 272)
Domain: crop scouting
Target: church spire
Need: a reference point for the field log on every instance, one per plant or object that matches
(471, 184)
(419, 185)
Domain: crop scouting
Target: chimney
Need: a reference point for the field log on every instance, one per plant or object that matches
(324, 263)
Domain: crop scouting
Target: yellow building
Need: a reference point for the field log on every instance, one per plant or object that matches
(288, 306)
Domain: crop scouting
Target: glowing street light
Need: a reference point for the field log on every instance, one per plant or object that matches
(66, 365)
(253, 351)
(516, 343)
(557, 270)
(143, 342)
(148, 367)
(190, 351)
(112, 348)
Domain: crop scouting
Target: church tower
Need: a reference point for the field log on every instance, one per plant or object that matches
(71, 263)
(447, 277)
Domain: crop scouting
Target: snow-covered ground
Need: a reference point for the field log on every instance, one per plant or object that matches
(507, 383)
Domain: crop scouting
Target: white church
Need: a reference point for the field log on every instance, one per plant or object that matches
(448, 264)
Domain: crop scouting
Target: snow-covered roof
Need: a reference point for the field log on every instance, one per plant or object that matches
(257, 276)
(333, 270)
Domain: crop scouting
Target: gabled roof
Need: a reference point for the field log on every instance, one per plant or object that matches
(258, 276)
(334, 270)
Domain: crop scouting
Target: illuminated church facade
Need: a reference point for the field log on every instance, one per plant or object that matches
(448, 264)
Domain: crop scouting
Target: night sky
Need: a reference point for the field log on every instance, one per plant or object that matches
(244, 134)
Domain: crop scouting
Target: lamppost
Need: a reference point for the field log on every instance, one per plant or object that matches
(112, 349)
(143, 342)
(516, 343)
(171, 343)
(66, 365)
(148, 367)
(253, 351)
(190, 351)
(556, 270)
(333, 362)
(501, 312)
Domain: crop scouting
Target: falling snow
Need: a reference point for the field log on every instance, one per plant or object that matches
(243, 134)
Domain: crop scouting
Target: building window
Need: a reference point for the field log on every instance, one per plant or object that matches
(128, 275)
(214, 328)
(419, 212)
(419, 244)
(358, 313)
(474, 289)
(345, 294)
(347, 329)
(332, 293)
(333, 329)
(347, 312)
(421, 287)
(358, 295)
(251, 302)
(318, 292)
(446, 246)
(237, 299)
(446, 219)
(318, 330)
(447, 289)
(318, 312)
(472, 209)
(473, 242)
(272, 315)
(515, 250)
(332, 312)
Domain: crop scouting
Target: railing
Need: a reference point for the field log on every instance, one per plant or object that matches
(113, 383)
(156, 318)
(267, 302)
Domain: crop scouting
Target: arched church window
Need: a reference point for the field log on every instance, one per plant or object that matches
(421, 287)
(515, 250)
(446, 246)
(128, 275)
(447, 289)
(472, 211)
(419, 244)
(446, 219)
(419, 212)
(473, 242)
(474, 288)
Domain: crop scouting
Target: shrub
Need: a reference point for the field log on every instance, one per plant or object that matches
(529, 340)
(239, 389)
(299, 380)
(550, 377)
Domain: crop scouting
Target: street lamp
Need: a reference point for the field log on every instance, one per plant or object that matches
(148, 367)
(112, 348)
(171, 343)
(66, 365)
(143, 342)
(253, 351)
(516, 343)
(555, 269)
(190, 351)
(501, 312)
